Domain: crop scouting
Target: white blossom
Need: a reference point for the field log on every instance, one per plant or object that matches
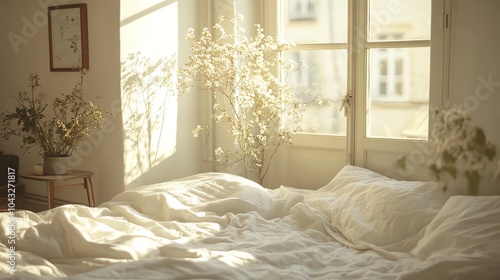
(218, 151)
(461, 147)
(197, 130)
(248, 95)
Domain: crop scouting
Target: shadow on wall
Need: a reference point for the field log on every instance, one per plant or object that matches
(149, 106)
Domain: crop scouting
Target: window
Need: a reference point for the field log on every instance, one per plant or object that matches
(389, 74)
(301, 10)
(322, 45)
(376, 54)
(385, 62)
(398, 60)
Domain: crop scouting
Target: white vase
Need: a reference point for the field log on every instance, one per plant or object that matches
(55, 165)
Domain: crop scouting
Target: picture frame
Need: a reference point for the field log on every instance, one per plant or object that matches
(68, 37)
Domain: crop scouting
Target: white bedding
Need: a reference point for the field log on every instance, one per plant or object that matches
(217, 226)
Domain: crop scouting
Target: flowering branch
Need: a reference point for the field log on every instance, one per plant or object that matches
(242, 74)
(461, 147)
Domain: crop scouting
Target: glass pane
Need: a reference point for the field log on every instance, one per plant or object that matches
(398, 93)
(325, 78)
(399, 20)
(314, 21)
(383, 67)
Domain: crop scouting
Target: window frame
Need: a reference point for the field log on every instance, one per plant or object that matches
(272, 17)
(357, 143)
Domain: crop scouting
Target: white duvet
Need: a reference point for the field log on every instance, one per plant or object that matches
(217, 226)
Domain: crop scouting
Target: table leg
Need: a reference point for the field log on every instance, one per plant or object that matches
(50, 193)
(90, 190)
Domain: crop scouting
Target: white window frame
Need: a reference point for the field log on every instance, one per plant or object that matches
(272, 17)
(358, 143)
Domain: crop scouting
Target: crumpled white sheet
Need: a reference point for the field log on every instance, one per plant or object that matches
(221, 226)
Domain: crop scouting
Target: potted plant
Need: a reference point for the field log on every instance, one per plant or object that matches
(56, 130)
(459, 149)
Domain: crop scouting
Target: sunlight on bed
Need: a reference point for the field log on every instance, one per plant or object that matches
(232, 258)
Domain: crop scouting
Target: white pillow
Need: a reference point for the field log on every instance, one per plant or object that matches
(372, 209)
(466, 225)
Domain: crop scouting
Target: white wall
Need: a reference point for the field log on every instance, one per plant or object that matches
(27, 19)
(105, 154)
(475, 67)
(167, 149)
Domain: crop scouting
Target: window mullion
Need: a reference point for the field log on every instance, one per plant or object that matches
(359, 52)
(351, 87)
(330, 46)
(399, 44)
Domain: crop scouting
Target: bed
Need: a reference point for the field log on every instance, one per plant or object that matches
(361, 225)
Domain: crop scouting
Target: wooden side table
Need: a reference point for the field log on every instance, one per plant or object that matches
(72, 175)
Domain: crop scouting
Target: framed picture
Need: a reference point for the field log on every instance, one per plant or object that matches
(68, 37)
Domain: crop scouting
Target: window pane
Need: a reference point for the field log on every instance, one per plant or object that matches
(325, 77)
(383, 67)
(399, 95)
(392, 20)
(314, 21)
(383, 88)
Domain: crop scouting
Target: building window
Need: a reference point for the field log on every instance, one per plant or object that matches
(301, 10)
(388, 72)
